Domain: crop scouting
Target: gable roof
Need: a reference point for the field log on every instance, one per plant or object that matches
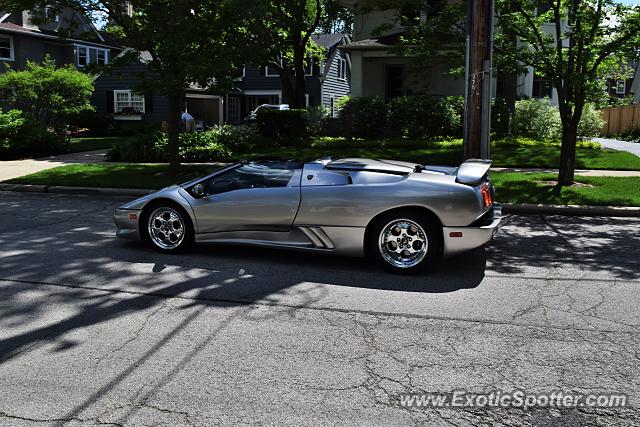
(327, 40)
(93, 36)
(375, 43)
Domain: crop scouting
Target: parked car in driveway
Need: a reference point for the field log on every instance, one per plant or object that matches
(252, 117)
(403, 215)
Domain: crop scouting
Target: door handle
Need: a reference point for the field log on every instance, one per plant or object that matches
(309, 177)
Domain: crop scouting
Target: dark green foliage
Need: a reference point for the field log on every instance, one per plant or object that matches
(282, 124)
(21, 136)
(365, 117)
(217, 144)
(426, 116)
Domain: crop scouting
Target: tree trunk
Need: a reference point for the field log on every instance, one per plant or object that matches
(298, 65)
(568, 154)
(174, 131)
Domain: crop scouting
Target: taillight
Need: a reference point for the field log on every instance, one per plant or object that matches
(485, 190)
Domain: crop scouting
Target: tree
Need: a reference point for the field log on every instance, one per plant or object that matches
(188, 41)
(588, 38)
(46, 93)
(336, 18)
(284, 30)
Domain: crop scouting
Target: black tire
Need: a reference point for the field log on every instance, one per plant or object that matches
(183, 243)
(429, 231)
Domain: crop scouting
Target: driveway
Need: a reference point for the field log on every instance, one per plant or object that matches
(96, 330)
(614, 144)
(17, 168)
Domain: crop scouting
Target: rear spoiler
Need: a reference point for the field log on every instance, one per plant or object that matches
(472, 171)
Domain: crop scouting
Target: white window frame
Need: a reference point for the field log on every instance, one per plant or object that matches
(332, 106)
(311, 62)
(342, 69)
(306, 100)
(11, 56)
(266, 71)
(48, 11)
(130, 93)
(624, 87)
(89, 50)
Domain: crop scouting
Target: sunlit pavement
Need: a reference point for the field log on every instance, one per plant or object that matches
(96, 330)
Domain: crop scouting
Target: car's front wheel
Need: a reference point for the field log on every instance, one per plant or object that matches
(169, 228)
(405, 242)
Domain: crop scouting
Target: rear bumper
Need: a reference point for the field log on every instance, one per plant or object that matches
(461, 239)
(127, 223)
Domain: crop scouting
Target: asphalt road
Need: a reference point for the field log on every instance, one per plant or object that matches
(95, 330)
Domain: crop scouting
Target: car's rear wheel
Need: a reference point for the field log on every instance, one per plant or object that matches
(168, 228)
(405, 242)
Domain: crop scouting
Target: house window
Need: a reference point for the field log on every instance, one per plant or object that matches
(84, 55)
(127, 102)
(101, 58)
(308, 68)
(6, 48)
(332, 106)
(541, 87)
(233, 109)
(620, 87)
(342, 69)
(271, 72)
(51, 14)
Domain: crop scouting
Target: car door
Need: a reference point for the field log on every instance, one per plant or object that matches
(259, 196)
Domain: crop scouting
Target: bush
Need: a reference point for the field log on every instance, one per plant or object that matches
(282, 123)
(213, 145)
(316, 118)
(537, 119)
(591, 122)
(97, 124)
(48, 94)
(22, 137)
(426, 116)
(365, 117)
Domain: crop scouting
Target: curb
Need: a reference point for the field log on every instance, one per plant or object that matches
(571, 210)
(530, 209)
(89, 191)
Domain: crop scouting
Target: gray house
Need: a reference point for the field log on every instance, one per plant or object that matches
(325, 82)
(68, 38)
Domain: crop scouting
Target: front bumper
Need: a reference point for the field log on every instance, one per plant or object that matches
(461, 239)
(127, 222)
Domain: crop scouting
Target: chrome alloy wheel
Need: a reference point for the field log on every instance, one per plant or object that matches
(403, 243)
(166, 228)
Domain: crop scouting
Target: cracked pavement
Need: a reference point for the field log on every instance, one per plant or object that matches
(100, 331)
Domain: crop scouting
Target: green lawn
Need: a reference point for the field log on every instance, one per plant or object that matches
(510, 152)
(511, 187)
(146, 176)
(93, 143)
(518, 187)
(506, 152)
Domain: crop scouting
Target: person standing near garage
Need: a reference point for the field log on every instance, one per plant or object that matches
(188, 122)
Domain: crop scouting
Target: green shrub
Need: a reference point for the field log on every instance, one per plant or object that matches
(365, 117)
(316, 118)
(216, 144)
(426, 116)
(96, 123)
(591, 122)
(537, 119)
(22, 137)
(48, 94)
(282, 123)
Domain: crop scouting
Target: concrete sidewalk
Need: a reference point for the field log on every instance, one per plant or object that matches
(580, 172)
(17, 168)
(615, 144)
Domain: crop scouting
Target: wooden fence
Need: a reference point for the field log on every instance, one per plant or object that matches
(620, 119)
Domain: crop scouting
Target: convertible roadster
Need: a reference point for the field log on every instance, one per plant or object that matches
(403, 215)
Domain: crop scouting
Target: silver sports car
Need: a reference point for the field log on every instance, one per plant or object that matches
(403, 215)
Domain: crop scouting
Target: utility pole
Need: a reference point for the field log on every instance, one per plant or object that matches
(479, 59)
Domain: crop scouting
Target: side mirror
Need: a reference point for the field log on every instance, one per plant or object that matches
(197, 191)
